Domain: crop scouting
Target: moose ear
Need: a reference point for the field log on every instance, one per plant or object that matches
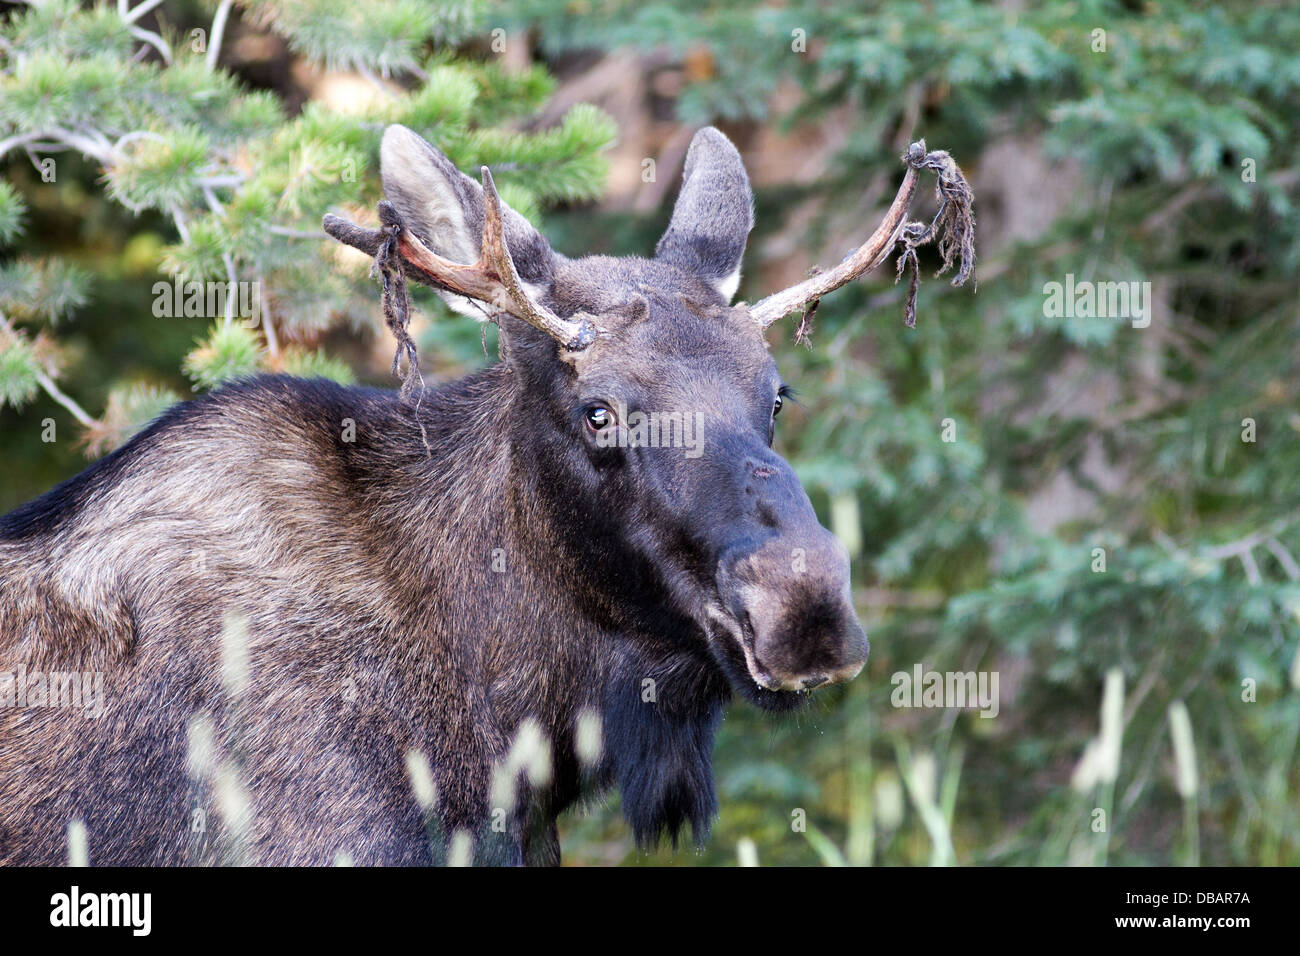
(444, 207)
(713, 214)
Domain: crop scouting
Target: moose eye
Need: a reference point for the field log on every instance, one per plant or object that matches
(779, 402)
(599, 417)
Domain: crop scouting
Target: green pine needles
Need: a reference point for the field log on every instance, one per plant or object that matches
(243, 185)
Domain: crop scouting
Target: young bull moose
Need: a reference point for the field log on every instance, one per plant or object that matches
(441, 573)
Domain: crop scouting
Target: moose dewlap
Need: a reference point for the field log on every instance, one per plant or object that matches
(345, 623)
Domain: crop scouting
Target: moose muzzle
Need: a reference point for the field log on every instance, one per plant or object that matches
(790, 599)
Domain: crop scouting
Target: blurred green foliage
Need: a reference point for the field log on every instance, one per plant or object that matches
(1182, 121)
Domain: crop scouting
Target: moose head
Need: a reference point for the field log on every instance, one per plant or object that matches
(649, 403)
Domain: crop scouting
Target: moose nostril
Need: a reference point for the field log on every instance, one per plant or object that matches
(762, 471)
(810, 682)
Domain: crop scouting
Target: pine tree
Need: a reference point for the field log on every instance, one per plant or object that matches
(243, 184)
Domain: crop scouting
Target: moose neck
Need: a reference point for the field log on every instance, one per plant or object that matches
(490, 525)
(661, 694)
(476, 512)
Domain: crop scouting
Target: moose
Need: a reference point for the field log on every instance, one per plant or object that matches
(325, 617)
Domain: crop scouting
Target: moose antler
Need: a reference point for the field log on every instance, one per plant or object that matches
(492, 279)
(954, 222)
